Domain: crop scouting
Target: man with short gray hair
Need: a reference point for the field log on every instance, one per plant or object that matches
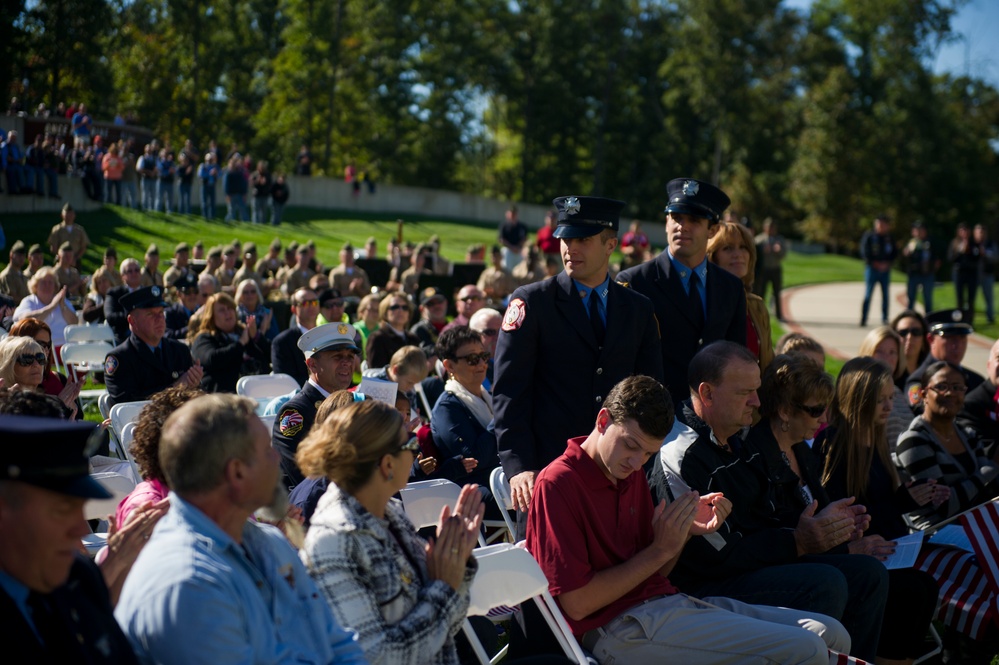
(207, 565)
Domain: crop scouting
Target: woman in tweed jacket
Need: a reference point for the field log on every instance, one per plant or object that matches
(404, 597)
(935, 447)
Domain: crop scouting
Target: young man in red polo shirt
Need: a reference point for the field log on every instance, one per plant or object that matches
(607, 552)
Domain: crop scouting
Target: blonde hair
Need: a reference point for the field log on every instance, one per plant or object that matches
(43, 272)
(349, 445)
(878, 335)
(857, 436)
(336, 400)
(798, 343)
(10, 348)
(249, 284)
(383, 306)
(99, 274)
(410, 362)
(728, 233)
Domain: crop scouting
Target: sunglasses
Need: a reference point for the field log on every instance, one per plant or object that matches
(813, 411)
(395, 308)
(26, 359)
(309, 303)
(333, 303)
(44, 345)
(906, 332)
(488, 332)
(190, 291)
(471, 298)
(473, 359)
(413, 445)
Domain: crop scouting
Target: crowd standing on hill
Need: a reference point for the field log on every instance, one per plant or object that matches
(669, 466)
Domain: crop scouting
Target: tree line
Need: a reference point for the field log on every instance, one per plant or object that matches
(819, 118)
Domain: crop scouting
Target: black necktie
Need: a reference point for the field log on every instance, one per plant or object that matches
(694, 295)
(595, 321)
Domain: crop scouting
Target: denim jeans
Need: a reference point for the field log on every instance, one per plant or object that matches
(149, 193)
(185, 198)
(208, 202)
(128, 194)
(236, 209)
(988, 283)
(917, 281)
(872, 277)
(112, 186)
(260, 209)
(164, 196)
(277, 210)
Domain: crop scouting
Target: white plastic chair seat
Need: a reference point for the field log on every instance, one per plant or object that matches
(423, 500)
(99, 332)
(118, 485)
(94, 542)
(266, 385)
(125, 412)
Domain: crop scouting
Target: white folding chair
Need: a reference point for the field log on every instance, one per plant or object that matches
(99, 332)
(118, 485)
(423, 500)
(509, 575)
(268, 421)
(82, 358)
(104, 405)
(125, 412)
(259, 386)
(500, 488)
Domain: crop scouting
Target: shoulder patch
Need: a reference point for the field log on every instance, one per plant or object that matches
(515, 314)
(110, 365)
(914, 394)
(290, 422)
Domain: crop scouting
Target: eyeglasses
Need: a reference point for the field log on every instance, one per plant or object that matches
(129, 271)
(470, 299)
(814, 411)
(906, 332)
(944, 388)
(309, 303)
(28, 358)
(473, 359)
(191, 291)
(412, 445)
(333, 303)
(488, 332)
(44, 345)
(396, 308)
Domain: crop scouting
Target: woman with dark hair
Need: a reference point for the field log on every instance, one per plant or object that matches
(911, 327)
(226, 348)
(732, 247)
(936, 448)
(394, 310)
(462, 418)
(858, 464)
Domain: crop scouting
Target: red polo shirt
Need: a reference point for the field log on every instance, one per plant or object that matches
(581, 523)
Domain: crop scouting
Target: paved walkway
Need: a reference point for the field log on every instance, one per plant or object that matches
(831, 314)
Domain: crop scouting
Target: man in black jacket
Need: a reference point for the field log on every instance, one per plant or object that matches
(285, 356)
(114, 313)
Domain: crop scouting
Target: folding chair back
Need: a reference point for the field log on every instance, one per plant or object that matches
(500, 488)
(104, 405)
(118, 485)
(266, 385)
(423, 501)
(125, 412)
(100, 332)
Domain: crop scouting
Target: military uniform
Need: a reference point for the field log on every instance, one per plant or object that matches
(14, 283)
(941, 322)
(291, 426)
(551, 372)
(132, 372)
(75, 235)
(341, 277)
(151, 277)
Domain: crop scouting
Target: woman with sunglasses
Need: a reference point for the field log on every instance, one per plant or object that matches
(462, 416)
(250, 303)
(935, 448)
(858, 464)
(406, 598)
(53, 383)
(395, 311)
(911, 327)
(22, 364)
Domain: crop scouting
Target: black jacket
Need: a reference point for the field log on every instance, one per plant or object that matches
(291, 425)
(132, 372)
(225, 360)
(287, 358)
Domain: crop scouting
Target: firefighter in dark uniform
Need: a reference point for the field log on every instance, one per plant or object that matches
(330, 354)
(948, 340)
(54, 608)
(564, 343)
(147, 362)
(715, 309)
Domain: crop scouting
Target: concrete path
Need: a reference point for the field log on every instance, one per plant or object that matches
(831, 314)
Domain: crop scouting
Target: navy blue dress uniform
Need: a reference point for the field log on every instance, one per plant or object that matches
(114, 314)
(74, 623)
(551, 372)
(684, 330)
(133, 371)
(942, 322)
(177, 316)
(295, 419)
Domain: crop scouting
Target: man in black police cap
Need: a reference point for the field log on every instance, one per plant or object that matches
(54, 605)
(948, 340)
(564, 343)
(178, 315)
(147, 362)
(330, 353)
(696, 301)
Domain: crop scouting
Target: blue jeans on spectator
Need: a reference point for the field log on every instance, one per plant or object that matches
(277, 210)
(128, 194)
(164, 195)
(185, 198)
(149, 193)
(917, 281)
(15, 178)
(112, 187)
(208, 202)
(236, 208)
(260, 209)
(872, 277)
(965, 287)
(988, 283)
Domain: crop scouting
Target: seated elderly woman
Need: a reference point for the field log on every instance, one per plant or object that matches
(858, 464)
(462, 422)
(22, 364)
(251, 303)
(886, 345)
(226, 348)
(48, 303)
(53, 383)
(406, 598)
(145, 449)
(934, 447)
(732, 247)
